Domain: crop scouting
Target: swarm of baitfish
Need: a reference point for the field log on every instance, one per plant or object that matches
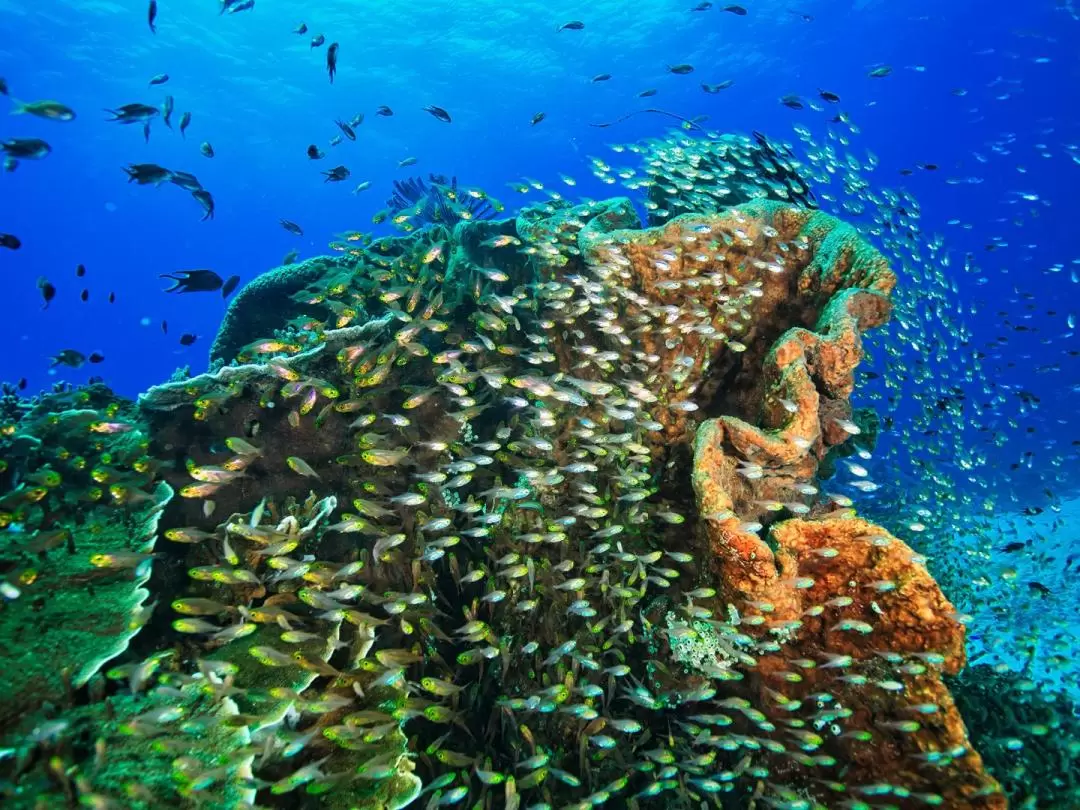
(509, 577)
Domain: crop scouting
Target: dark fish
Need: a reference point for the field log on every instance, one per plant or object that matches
(315, 153)
(300, 29)
(880, 72)
(161, 78)
(716, 88)
(84, 296)
(317, 40)
(702, 6)
(536, 119)
(186, 181)
(147, 173)
(291, 227)
(137, 113)
(792, 102)
(10, 241)
(601, 77)
(166, 111)
(738, 11)
(80, 271)
(652, 91)
(151, 16)
(290, 257)
(187, 339)
(96, 357)
(346, 129)
(331, 60)
(25, 148)
(233, 6)
(22, 383)
(146, 131)
(48, 291)
(827, 96)
(188, 281)
(3, 86)
(358, 119)
(930, 167)
(1039, 588)
(185, 119)
(206, 201)
(573, 25)
(69, 358)
(384, 111)
(438, 112)
(336, 174)
(112, 298)
(229, 286)
(906, 172)
(207, 149)
(165, 327)
(681, 69)
(1016, 545)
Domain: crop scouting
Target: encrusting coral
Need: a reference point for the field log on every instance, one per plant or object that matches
(495, 519)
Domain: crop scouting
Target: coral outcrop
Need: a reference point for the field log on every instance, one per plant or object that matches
(490, 513)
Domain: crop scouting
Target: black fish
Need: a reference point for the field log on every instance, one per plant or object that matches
(80, 270)
(84, 296)
(187, 281)
(336, 174)
(151, 16)
(536, 119)
(573, 25)
(331, 60)
(680, 70)
(10, 241)
(206, 201)
(228, 286)
(827, 96)
(137, 113)
(69, 358)
(384, 111)
(146, 173)
(1016, 545)
(317, 40)
(291, 227)
(652, 91)
(702, 6)
(1039, 588)
(315, 153)
(161, 78)
(738, 11)
(792, 102)
(3, 86)
(165, 327)
(207, 149)
(48, 291)
(438, 112)
(25, 148)
(112, 298)
(185, 119)
(166, 111)
(187, 339)
(346, 129)
(300, 29)
(601, 77)
(96, 357)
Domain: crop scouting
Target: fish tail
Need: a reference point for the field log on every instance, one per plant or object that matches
(18, 107)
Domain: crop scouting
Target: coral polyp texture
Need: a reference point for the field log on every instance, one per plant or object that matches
(513, 513)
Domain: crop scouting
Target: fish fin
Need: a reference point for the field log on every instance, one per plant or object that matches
(19, 106)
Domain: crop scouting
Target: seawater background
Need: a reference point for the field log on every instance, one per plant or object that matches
(260, 95)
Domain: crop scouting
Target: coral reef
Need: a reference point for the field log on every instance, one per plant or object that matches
(488, 512)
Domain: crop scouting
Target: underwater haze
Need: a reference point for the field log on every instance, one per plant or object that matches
(654, 404)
